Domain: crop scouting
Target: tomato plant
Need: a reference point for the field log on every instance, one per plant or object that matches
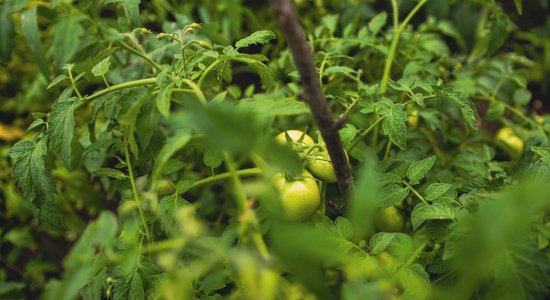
(190, 149)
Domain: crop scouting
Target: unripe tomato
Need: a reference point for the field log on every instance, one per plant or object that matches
(389, 220)
(321, 167)
(413, 119)
(510, 142)
(299, 197)
(295, 136)
(165, 187)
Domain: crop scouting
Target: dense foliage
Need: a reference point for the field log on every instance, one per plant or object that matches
(138, 156)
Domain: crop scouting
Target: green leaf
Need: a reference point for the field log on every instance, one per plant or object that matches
(393, 124)
(499, 32)
(388, 241)
(392, 194)
(436, 211)
(7, 33)
(378, 22)
(60, 131)
(35, 181)
(466, 107)
(415, 282)
(168, 207)
(136, 98)
(338, 70)
(132, 7)
(130, 288)
(102, 67)
(57, 80)
(108, 172)
(348, 134)
(519, 6)
(67, 38)
(173, 165)
(213, 158)
(522, 96)
(543, 152)
(183, 185)
(163, 100)
(419, 169)
(29, 27)
(343, 228)
(81, 264)
(436, 189)
(258, 37)
(173, 145)
(270, 105)
(418, 98)
(147, 122)
(10, 286)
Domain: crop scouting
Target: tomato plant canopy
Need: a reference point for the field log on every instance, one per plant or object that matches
(274, 149)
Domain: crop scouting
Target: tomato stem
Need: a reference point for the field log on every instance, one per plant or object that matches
(135, 192)
(415, 192)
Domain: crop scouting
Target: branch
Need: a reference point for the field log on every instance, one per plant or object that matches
(312, 93)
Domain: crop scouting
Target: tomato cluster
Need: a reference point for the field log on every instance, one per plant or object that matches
(300, 197)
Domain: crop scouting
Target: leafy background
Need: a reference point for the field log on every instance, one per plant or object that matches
(131, 135)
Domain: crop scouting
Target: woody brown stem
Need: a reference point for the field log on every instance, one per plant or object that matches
(312, 92)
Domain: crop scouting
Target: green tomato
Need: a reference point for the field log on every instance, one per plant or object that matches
(295, 136)
(299, 197)
(510, 142)
(413, 119)
(389, 220)
(321, 167)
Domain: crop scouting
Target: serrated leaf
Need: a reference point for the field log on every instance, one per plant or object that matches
(499, 32)
(378, 22)
(338, 69)
(415, 281)
(544, 153)
(419, 169)
(466, 106)
(60, 131)
(173, 165)
(343, 228)
(258, 37)
(436, 189)
(383, 240)
(108, 172)
(66, 38)
(183, 185)
(173, 144)
(163, 100)
(35, 180)
(393, 124)
(436, 211)
(213, 158)
(273, 105)
(102, 67)
(418, 98)
(137, 98)
(57, 80)
(168, 206)
(81, 263)
(146, 123)
(392, 194)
